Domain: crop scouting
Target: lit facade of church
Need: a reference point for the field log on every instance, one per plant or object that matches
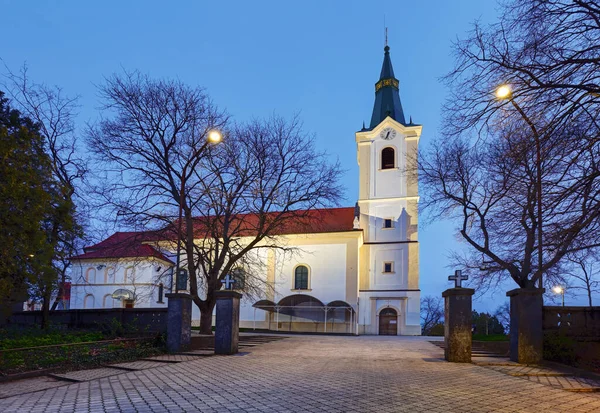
(357, 273)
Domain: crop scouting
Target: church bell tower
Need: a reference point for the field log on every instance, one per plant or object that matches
(388, 204)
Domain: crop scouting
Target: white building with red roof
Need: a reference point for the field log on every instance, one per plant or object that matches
(355, 270)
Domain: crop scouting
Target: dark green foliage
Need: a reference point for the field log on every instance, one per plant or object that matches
(491, 337)
(436, 330)
(17, 354)
(36, 214)
(487, 324)
(36, 337)
(559, 348)
(25, 205)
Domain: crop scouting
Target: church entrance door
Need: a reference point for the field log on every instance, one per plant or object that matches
(388, 322)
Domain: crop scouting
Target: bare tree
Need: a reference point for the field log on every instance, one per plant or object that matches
(54, 113)
(432, 313)
(264, 179)
(582, 268)
(498, 158)
(502, 313)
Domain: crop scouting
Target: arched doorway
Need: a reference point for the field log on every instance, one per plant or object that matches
(388, 322)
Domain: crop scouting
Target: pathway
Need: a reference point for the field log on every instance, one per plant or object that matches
(312, 374)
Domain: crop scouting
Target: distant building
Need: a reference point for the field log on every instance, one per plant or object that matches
(357, 270)
(122, 262)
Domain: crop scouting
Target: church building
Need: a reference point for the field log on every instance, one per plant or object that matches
(356, 273)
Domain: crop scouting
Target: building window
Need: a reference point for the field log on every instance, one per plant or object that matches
(88, 301)
(109, 275)
(129, 275)
(161, 292)
(388, 223)
(239, 275)
(107, 301)
(388, 158)
(301, 277)
(388, 266)
(90, 276)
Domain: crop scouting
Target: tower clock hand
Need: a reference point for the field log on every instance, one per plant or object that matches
(388, 134)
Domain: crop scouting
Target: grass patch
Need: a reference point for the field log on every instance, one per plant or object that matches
(491, 337)
(34, 349)
(35, 337)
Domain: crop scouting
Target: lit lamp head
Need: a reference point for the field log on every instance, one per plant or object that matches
(503, 92)
(558, 289)
(214, 136)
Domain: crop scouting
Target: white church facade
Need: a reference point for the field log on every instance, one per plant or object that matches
(357, 273)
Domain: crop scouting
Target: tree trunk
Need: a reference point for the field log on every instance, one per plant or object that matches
(61, 293)
(206, 311)
(45, 311)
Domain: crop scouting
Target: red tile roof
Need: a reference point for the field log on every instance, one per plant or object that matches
(130, 244)
(122, 245)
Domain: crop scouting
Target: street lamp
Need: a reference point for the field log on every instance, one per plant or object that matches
(504, 92)
(560, 290)
(214, 137)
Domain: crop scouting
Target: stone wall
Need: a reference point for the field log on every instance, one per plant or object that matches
(140, 319)
(573, 322)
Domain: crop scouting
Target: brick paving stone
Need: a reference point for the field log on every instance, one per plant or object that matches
(91, 374)
(198, 353)
(173, 357)
(139, 365)
(13, 388)
(313, 374)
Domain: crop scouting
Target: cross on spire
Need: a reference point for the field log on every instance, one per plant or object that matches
(228, 282)
(458, 278)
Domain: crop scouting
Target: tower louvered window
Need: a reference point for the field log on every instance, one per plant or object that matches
(388, 158)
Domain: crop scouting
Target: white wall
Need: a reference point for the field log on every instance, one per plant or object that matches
(140, 277)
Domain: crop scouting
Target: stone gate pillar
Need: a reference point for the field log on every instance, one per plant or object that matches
(457, 324)
(179, 321)
(526, 331)
(227, 329)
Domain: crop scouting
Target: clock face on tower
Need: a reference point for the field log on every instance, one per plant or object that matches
(387, 134)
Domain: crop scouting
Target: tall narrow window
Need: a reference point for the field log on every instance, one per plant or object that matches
(88, 301)
(388, 158)
(107, 301)
(129, 275)
(90, 276)
(301, 278)
(161, 291)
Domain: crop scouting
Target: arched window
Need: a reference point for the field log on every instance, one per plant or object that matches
(129, 275)
(388, 158)
(301, 277)
(107, 301)
(109, 275)
(88, 301)
(90, 276)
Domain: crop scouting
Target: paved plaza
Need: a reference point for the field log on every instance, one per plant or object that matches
(313, 374)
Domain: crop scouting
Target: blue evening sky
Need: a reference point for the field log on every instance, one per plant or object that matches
(320, 59)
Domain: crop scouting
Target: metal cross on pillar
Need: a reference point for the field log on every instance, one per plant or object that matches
(228, 282)
(458, 278)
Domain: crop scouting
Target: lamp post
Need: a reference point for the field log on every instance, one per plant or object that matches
(214, 136)
(560, 290)
(504, 92)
